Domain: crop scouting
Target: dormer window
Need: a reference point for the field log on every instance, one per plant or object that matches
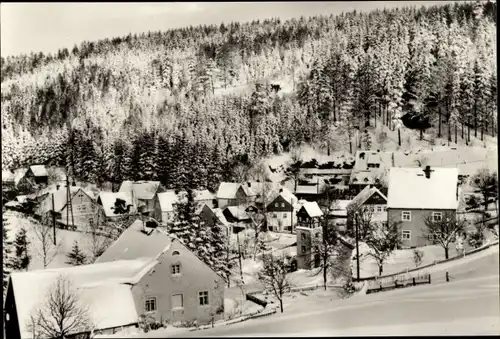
(175, 253)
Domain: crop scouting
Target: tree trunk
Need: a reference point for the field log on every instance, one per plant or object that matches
(399, 137)
(446, 252)
(439, 123)
(334, 111)
(281, 305)
(324, 274)
(475, 122)
(421, 133)
(468, 130)
(482, 131)
(462, 130)
(456, 132)
(380, 270)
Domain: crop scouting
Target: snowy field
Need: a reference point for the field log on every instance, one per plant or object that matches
(64, 238)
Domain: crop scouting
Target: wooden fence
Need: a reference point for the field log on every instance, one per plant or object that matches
(402, 283)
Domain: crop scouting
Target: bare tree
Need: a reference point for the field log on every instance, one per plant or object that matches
(98, 241)
(382, 240)
(293, 168)
(444, 231)
(360, 216)
(240, 173)
(382, 139)
(46, 248)
(418, 255)
(324, 244)
(274, 276)
(62, 314)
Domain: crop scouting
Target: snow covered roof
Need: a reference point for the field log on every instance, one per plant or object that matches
(289, 196)
(409, 188)
(60, 196)
(312, 209)
(19, 174)
(108, 200)
(227, 190)
(8, 176)
(39, 171)
(307, 189)
(365, 194)
(252, 188)
(222, 218)
(144, 190)
(338, 208)
(167, 200)
(133, 243)
(238, 212)
(203, 195)
(96, 285)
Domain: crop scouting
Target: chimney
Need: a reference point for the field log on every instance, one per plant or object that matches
(281, 190)
(362, 155)
(249, 184)
(57, 187)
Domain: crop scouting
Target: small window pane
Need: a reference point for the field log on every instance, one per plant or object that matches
(176, 269)
(150, 305)
(203, 297)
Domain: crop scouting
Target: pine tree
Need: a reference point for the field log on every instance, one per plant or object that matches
(76, 257)
(7, 255)
(22, 258)
(185, 223)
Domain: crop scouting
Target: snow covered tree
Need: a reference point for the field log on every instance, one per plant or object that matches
(185, 221)
(43, 242)
(76, 257)
(444, 231)
(367, 140)
(22, 258)
(7, 255)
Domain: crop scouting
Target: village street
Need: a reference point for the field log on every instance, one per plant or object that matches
(441, 308)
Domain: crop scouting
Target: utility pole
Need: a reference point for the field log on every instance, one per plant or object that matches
(239, 255)
(357, 244)
(54, 219)
(69, 204)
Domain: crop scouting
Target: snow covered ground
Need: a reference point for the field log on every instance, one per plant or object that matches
(65, 239)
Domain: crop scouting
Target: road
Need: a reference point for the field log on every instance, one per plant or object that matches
(468, 304)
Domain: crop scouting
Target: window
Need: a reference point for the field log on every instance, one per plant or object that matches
(282, 204)
(437, 216)
(277, 204)
(406, 235)
(379, 208)
(203, 296)
(150, 304)
(406, 216)
(385, 208)
(177, 301)
(303, 248)
(91, 222)
(285, 215)
(303, 236)
(275, 215)
(175, 253)
(176, 269)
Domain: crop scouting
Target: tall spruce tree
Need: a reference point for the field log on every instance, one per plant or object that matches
(76, 257)
(22, 258)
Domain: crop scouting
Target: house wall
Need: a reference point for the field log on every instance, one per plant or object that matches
(280, 215)
(84, 211)
(304, 243)
(223, 203)
(208, 202)
(416, 225)
(194, 277)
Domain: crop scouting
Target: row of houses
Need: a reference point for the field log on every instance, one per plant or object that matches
(414, 194)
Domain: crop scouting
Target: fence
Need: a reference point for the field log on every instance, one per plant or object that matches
(476, 250)
(413, 281)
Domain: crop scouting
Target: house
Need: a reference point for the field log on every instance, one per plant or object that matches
(164, 206)
(107, 201)
(309, 225)
(143, 194)
(238, 216)
(311, 191)
(108, 290)
(281, 211)
(372, 201)
(179, 287)
(209, 216)
(83, 210)
(310, 229)
(416, 194)
(230, 194)
(204, 197)
(370, 168)
(337, 214)
(8, 180)
(37, 174)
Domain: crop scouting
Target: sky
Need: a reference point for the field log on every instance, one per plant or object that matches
(47, 27)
